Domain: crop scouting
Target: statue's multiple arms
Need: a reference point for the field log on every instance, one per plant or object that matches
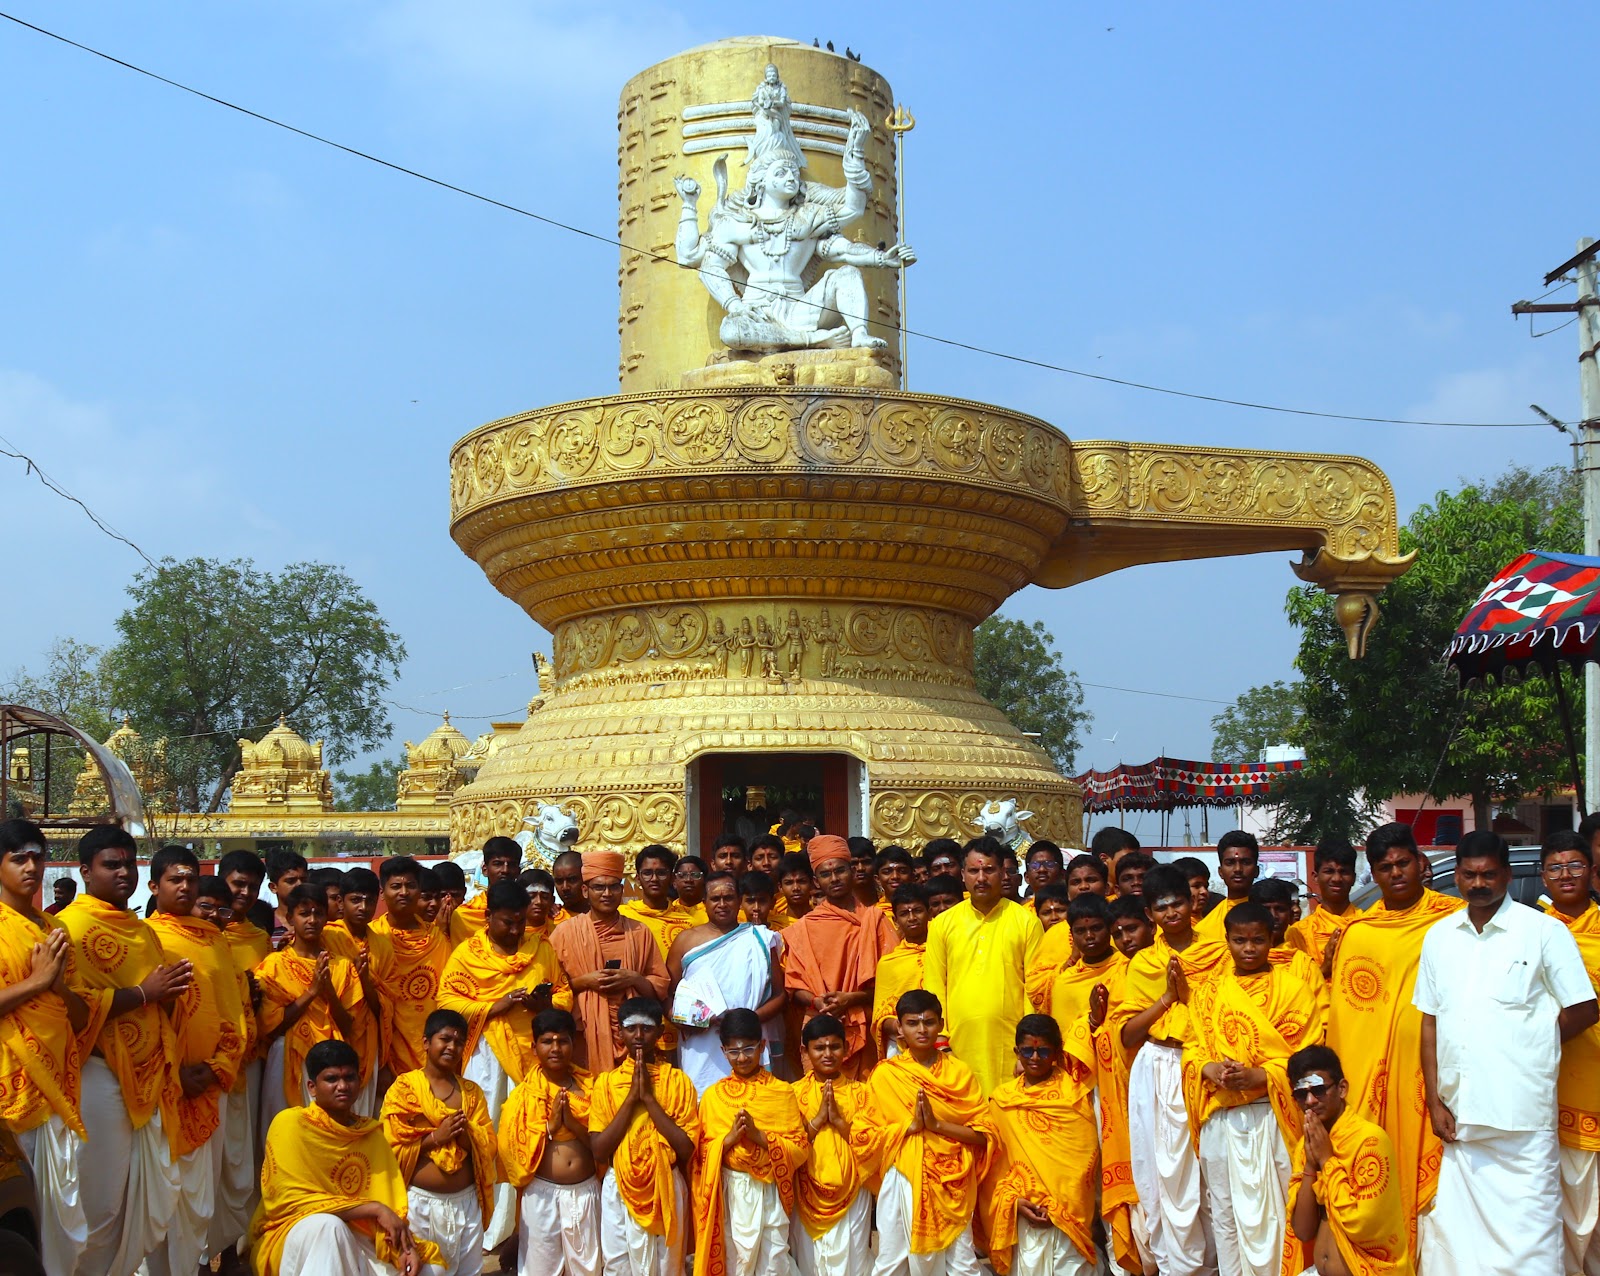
(857, 181)
(690, 244)
(840, 249)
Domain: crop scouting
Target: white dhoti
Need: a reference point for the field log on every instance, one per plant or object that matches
(1166, 1171)
(238, 1184)
(325, 1245)
(1498, 1208)
(1246, 1167)
(1048, 1251)
(128, 1179)
(626, 1248)
(755, 1227)
(559, 1234)
(272, 1100)
(894, 1239)
(1580, 1210)
(845, 1249)
(55, 1153)
(454, 1222)
(199, 1172)
(496, 1083)
(730, 972)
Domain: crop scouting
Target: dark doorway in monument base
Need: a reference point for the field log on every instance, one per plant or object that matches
(747, 793)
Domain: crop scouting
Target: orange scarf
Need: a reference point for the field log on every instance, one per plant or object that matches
(113, 949)
(407, 966)
(1045, 1145)
(525, 1122)
(411, 1112)
(283, 978)
(642, 1164)
(899, 971)
(1362, 1200)
(1146, 982)
(944, 1174)
(831, 949)
(773, 1110)
(1311, 934)
(831, 1178)
(208, 1020)
(478, 974)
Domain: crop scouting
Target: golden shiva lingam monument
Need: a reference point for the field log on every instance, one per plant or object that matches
(763, 560)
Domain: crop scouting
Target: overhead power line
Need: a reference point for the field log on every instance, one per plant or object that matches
(33, 468)
(611, 241)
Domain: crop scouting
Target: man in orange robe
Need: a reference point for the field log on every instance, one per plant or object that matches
(607, 957)
(213, 1038)
(129, 1185)
(832, 953)
(1372, 1025)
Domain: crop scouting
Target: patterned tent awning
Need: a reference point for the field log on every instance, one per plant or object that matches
(1543, 609)
(1168, 784)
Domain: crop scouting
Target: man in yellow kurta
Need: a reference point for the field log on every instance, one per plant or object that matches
(1347, 1211)
(1238, 865)
(831, 1232)
(128, 1181)
(438, 1126)
(1334, 868)
(46, 1031)
(1245, 1025)
(498, 980)
(407, 958)
(977, 960)
(333, 1199)
(1039, 1194)
(1567, 865)
(545, 1155)
(900, 969)
(1372, 1024)
(213, 1037)
(643, 1124)
(1151, 1027)
(752, 1142)
(923, 1138)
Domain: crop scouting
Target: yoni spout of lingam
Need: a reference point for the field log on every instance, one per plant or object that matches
(765, 239)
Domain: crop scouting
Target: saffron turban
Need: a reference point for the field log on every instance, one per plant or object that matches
(824, 848)
(603, 864)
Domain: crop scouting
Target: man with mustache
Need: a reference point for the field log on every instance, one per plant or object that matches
(1500, 987)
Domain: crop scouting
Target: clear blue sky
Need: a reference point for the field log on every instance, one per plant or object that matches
(230, 341)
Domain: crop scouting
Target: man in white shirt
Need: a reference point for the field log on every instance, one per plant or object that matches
(1500, 987)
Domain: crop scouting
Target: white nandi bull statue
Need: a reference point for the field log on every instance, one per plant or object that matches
(1001, 820)
(545, 834)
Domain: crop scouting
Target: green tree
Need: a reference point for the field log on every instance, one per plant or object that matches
(1397, 722)
(213, 651)
(369, 790)
(1020, 672)
(1260, 717)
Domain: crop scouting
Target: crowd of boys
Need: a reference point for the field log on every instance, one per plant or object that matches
(1066, 1066)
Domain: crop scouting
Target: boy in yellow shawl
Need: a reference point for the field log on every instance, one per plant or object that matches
(900, 969)
(1372, 1024)
(643, 1122)
(657, 911)
(1238, 865)
(46, 1031)
(1039, 1194)
(333, 1199)
(1348, 1212)
(831, 1231)
(545, 1155)
(307, 995)
(923, 1137)
(502, 859)
(1333, 866)
(1245, 1025)
(1567, 866)
(438, 1126)
(498, 980)
(213, 1036)
(1151, 1026)
(128, 1183)
(408, 958)
(752, 1141)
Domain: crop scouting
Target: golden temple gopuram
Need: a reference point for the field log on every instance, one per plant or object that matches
(762, 561)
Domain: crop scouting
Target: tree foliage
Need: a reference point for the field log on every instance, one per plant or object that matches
(369, 790)
(1261, 717)
(1020, 672)
(1397, 722)
(213, 651)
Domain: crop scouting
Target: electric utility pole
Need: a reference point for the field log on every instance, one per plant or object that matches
(1587, 308)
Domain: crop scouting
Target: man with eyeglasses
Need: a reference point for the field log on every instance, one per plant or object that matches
(1567, 864)
(1500, 987)
(1347, 1209)
(607, 957)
